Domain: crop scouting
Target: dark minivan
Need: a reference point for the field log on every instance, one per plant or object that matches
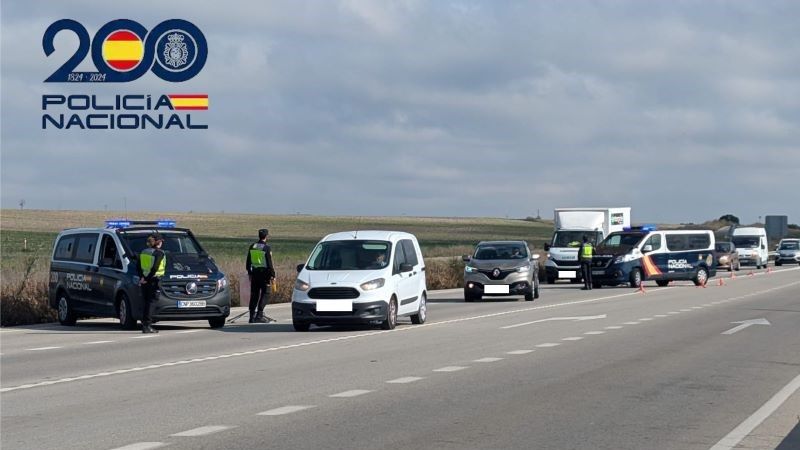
(93, 273)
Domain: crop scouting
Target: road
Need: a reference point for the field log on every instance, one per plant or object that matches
(603, 369)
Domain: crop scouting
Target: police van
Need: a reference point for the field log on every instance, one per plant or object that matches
(93, 273)
(637, 254)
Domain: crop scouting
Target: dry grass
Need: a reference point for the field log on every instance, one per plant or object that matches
(23, 298)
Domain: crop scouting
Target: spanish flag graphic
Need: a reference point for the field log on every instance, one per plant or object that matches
(123, 50)
(189, 101)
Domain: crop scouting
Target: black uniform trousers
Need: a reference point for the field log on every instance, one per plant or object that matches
(259, 290)
(586, 273)
(149, 292)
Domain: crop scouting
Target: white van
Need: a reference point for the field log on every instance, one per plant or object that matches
(361, 277)
(751, 244)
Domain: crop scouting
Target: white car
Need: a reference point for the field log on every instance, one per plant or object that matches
(361, 277)
(788, 252)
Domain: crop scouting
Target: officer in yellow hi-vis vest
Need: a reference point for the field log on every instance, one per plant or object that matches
(152, 265)
(261, 272)
(585, 254)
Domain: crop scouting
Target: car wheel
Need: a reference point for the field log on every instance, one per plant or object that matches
(422, 312)
(468, 297)
(391, 316)
(536, 288)
(66, 315)
(216, 322)
(636, 278)
(300, 326)
(551, 280)
(596, 285)
(778, 263)
(730, 267)
(529, 296)
(662, 283)
(125, 313)
(738, 266)
(701, 277)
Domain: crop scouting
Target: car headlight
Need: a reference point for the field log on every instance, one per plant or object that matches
(301, 285)
(723, 259)
(470, 269)
(523, 268)
(222, 283)
(373, 284)
(624, 258)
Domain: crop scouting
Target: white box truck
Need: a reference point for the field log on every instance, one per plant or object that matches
(571, 225)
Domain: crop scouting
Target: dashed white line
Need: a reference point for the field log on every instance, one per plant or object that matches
(352, 393)
(203, 431)
(146, 336)
(38, 349)
(187, 331)
(573, 338)
(614, 327)
(660, 315)
(450, 369)
(673, 312)
(285, 410)
(630, 323)
(645, 319)
(97, 342)
(686, 310)
(405, 380)
(697, 307)
(142, 446)
(487, 360)
(548, 345)
(595, 332)
(519, 352)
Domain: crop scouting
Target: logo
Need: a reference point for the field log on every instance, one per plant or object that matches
(123, 50)
(191, 288)
(496, 273)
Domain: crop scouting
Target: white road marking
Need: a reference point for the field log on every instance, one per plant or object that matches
(548, 345)
(552, 319)
(660, 315)
(747, 323)
(38, 349)
(673, 312)
(697, 307)
(203, 431)
(97, 342)
(405, 380)
(646, 319)
(285, 410)
(573, 338)
(614, 327)
(347, 337)
(519, 352)
(450, 369)
(630, 323)
(142, 446)
(595, 332)
(686, 310)
(145, 336)
(348, 394)
(732, 439)
(187, 331)
(488, 360)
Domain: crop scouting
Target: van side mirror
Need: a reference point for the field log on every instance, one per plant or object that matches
(466, 258)
(547, 247)
(406, 267)
(647, 248)
(300, 267)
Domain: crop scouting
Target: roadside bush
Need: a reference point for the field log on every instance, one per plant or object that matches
(23, 298)
(444, 274)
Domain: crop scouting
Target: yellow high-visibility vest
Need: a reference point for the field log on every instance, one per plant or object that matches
(587, 251)
(147, 259)
(257, 259)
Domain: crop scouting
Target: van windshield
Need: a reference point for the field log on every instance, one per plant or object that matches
(573, 238)
(790, 246)
(490, 252)
(746, 241)
(622, 241)
(174, 242)
(350, 255)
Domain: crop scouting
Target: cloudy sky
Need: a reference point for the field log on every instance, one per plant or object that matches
(683, 110)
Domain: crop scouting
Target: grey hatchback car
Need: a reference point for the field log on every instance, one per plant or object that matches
(501, 268)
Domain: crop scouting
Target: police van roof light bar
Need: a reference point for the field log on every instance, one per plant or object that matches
(641, 228)
(128, 223)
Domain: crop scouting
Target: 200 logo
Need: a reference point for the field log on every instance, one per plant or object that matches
(123, 50)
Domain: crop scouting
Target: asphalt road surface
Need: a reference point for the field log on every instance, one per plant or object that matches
(678, 367)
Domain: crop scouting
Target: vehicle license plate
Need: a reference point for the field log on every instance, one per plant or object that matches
(334, 305)
(191, 303)
(567, 274)
(495, 289)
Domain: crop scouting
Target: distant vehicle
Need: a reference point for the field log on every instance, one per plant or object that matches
(643, 253)
(788, 252)
(361, 277)
(501, 268)
(571, 225)
(727, 256)
(93, 273)
(751, 244)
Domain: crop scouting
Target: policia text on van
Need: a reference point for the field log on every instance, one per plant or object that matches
(642, 253)
(94, 273)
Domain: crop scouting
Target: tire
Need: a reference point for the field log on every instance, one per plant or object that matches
(738, 266)
(662, 283)
(391, 316)
(730, 267)
(66, 315)
(536, 288)
(422, 313)
(300, 326)
(529, 296)
(551, 280)
(216, 322)
(778, 263)
(125, 313)
(596, 285)
(636, 278)
(468, 297)
(701, 277)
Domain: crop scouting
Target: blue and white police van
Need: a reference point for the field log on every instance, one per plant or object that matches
(93, 273)
(637, 254)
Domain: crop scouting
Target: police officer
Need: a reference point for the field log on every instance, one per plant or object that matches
(261, 272)
(152, 265)
(585, 254)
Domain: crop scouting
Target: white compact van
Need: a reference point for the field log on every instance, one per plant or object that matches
(751, 244)
(361, 277)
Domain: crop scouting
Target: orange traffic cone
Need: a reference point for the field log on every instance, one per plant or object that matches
(641, 288)
(733, 275)
(769, 269)
(750, 274)
(720, 282)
